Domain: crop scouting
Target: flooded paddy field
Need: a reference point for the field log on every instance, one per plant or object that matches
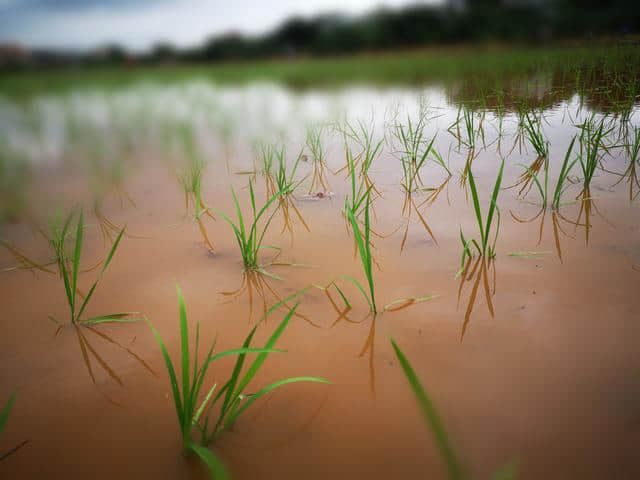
(493, 234)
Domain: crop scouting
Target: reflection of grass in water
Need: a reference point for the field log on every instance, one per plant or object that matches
(194, 411)
(66, 251)
(591, 139)
(191, 181)
(318, 159)
(485, 250)
(630, 175)
(413, 149)
(362, 135)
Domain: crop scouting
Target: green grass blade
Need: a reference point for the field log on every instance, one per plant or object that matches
(104, 267)
(257, 363)
(4, 414)
(184, 349)
(172, 374)
(454, 469)
(216, 467)
(476, 205)
(251, 399)
(494, 203)
(76, 262)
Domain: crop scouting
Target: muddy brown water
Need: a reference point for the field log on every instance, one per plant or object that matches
(552, 381)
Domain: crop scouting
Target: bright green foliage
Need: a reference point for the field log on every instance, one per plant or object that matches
(250, 236)
(235, 401)
(364, 248)
(69, 267)
(484, 226)
(454, 469)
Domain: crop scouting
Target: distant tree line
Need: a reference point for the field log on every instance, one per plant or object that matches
(456, 21)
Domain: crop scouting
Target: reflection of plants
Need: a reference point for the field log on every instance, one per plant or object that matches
(66, 252)
(485, 249)
(413, 151)
(591, 143)
(562, 183)
(363, 136)
(318, 157)
(191, 181)
(69, 267)
(285, 182)
(432, 419)
(194, 412)
(631, 173)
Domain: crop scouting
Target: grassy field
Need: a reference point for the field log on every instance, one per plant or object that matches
(409, 67)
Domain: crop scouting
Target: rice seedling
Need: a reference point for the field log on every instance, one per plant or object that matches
(69, 266)
(470, 131)
(4, 417)
(66, 251)
(412, 149)
(318, 158)
(363, 241)
(369, 150)
(591, 140)
(541, 146)
(454, 468)
(561, 185)
(250, 236)
(191, 181)
(631, 173)
(286, 183)
(413, 152)
(486, 249)
(193, 410)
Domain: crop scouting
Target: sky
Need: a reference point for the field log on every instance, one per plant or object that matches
(140, 24)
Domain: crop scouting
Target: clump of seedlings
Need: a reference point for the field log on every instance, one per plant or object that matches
(362, 135)
(591, 139)
(537, 139)
(69, 266)
(362, 236)
(285, 181)
(318, 158)
(467, 137)
(195, 406)
(250, 236)
(413, 149)
(66, 250)
(631, 173)
(485, 250)
(191, 181)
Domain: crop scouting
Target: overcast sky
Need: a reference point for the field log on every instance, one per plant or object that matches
(139, 24)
